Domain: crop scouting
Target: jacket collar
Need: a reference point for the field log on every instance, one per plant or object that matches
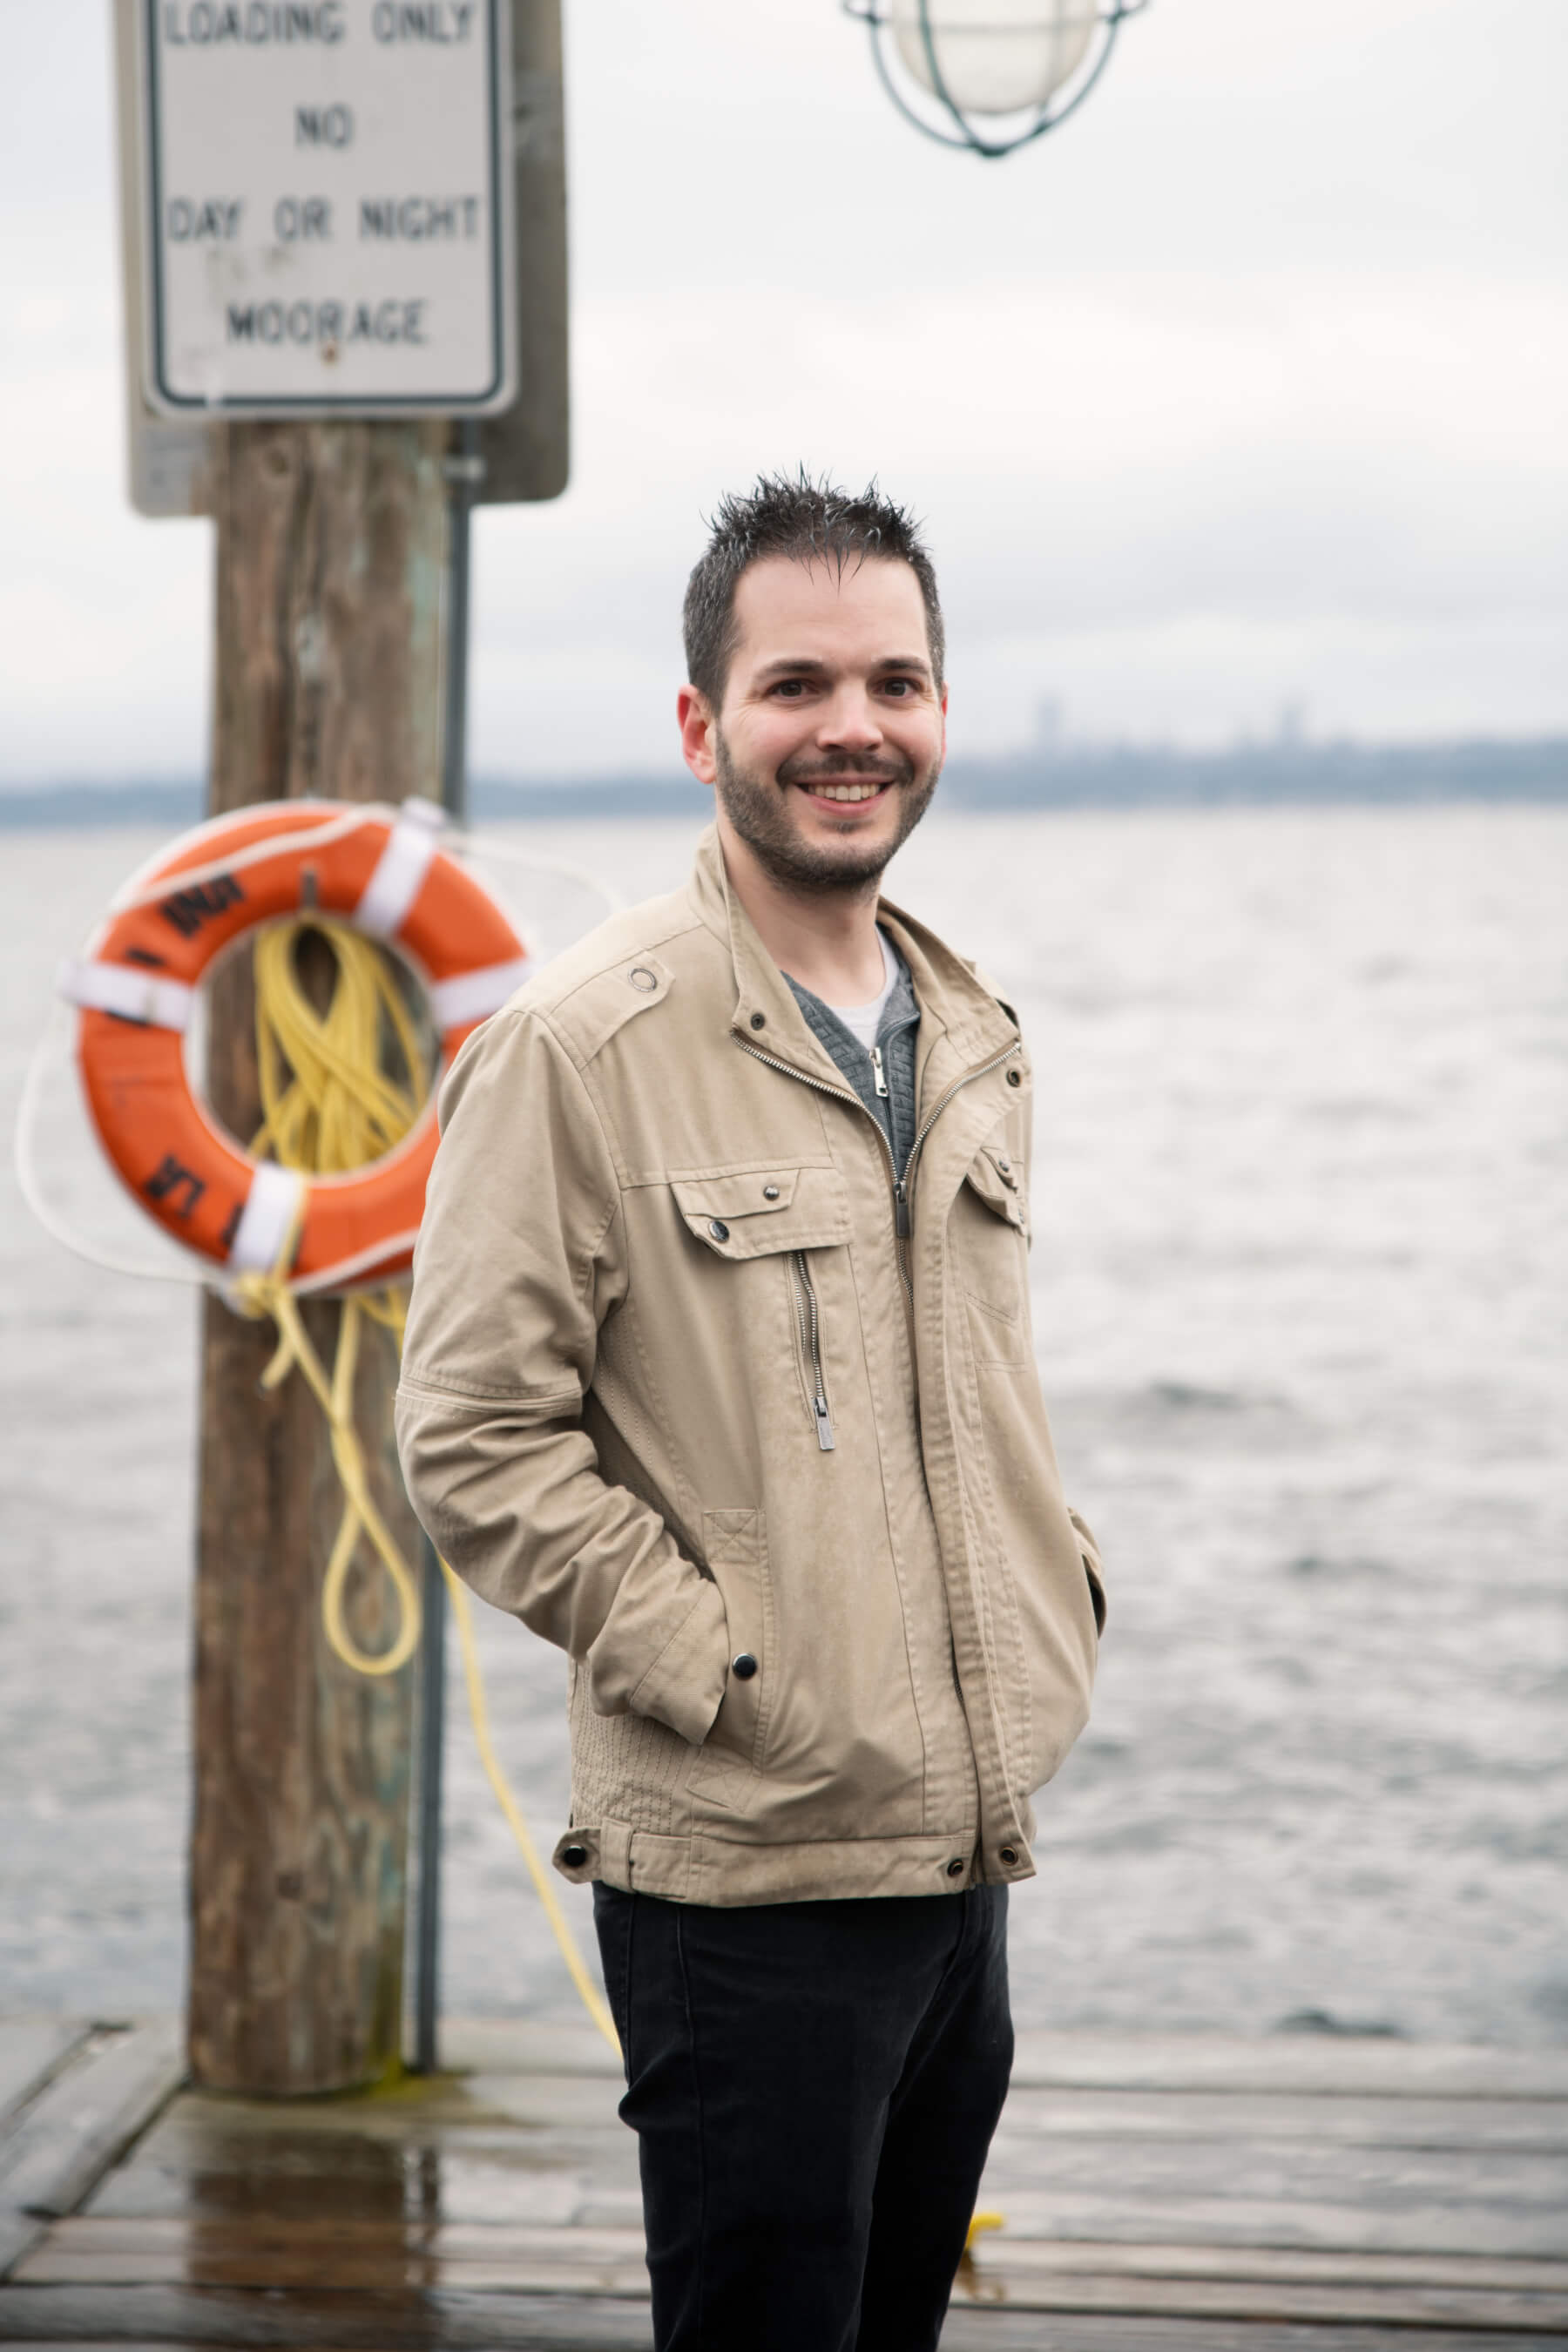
(962, 1023)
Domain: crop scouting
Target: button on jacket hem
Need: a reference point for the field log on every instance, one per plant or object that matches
(703, 1868)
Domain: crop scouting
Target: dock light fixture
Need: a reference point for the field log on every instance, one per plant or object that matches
(991, 75)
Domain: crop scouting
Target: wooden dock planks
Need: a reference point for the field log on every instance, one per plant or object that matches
(1162, 2194)
(78, 2096)
(31, 2048)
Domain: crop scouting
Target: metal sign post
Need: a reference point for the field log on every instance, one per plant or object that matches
(464, 472)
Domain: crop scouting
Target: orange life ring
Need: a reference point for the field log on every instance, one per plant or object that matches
(380, 868)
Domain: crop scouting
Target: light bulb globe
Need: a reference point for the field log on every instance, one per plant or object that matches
(992, 56)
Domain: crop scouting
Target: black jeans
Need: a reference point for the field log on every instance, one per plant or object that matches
(813, 2087)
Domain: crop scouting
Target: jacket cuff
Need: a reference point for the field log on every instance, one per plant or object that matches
(686, 1682)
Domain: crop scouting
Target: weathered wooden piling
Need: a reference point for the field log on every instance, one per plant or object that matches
(331, 547)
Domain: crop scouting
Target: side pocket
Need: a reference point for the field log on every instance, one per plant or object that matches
(730, 1760)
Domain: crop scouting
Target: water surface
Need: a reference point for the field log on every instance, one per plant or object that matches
(1299, 1283)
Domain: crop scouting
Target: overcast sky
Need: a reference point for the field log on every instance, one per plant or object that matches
(1247, 390)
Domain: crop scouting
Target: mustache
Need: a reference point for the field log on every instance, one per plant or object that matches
(851, 767)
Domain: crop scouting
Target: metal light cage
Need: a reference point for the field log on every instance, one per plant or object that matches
(877, 16)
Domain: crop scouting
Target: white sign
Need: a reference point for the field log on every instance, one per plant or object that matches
(327, 207)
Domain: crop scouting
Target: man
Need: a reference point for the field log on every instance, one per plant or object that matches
(719, 1375)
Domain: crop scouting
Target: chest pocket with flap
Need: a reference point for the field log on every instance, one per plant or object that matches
(758, 1212)
(990, 1230)
(780, 1215)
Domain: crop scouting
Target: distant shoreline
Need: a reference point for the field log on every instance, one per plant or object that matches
(1396, 775)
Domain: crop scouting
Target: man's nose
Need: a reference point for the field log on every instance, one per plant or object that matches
(850, 722)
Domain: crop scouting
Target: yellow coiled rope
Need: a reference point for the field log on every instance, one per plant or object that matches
(329, 1106)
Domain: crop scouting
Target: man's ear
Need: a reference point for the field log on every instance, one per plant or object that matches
(695, 716)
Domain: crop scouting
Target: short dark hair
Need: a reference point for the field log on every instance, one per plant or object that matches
(794, 517)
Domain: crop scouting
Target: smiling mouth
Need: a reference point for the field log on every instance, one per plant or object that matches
(849, 789)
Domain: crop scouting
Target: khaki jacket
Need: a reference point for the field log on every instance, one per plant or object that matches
(660, 1400)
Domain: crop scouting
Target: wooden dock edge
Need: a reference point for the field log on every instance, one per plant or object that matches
(94, 2090)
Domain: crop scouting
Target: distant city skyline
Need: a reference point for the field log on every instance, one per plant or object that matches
(1285, 772)
(1292, 730)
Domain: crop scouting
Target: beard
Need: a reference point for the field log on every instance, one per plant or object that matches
(759, 810)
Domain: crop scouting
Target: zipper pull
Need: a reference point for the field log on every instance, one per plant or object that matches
(900, 1211)
(876, 1053)
(824, 1426)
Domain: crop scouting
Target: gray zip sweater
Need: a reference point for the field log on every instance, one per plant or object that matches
(896, 1032)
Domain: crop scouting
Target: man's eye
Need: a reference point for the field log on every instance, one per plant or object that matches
(790, 686)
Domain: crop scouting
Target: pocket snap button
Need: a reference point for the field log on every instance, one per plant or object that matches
(955, 1870)
(720, 1231)
(769, 1192)
(643, 981)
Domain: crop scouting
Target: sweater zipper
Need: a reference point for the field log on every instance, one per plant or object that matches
(811, 1337)
(902, 1223)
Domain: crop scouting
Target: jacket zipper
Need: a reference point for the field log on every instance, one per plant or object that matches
(811, 1335)
(876, 1053)
(902, 1223)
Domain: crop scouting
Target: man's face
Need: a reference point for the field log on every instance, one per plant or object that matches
(827, 748)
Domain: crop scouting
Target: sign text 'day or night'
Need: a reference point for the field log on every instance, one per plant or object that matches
(327, 207)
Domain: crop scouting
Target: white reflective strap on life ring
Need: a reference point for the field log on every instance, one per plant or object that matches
(129, 989)
(474, 995)
(400, 870)
(275, 1199)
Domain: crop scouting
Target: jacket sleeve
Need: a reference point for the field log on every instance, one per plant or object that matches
(1087, 1546)
(521, 1255)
